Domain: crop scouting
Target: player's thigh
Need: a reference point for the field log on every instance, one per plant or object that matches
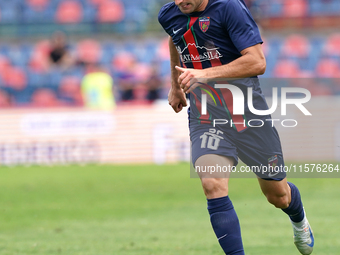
(213, 166)
(214, 179)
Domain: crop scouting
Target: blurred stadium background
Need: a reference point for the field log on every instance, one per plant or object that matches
(48, 46)
(50, 115)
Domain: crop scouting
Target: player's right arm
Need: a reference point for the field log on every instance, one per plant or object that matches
(176, 96)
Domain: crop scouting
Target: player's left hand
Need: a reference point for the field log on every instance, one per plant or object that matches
(189, 78)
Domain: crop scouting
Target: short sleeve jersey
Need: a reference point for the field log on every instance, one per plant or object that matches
(214, 37)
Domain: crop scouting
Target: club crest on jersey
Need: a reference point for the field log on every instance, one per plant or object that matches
(204, 23)
(272, 161)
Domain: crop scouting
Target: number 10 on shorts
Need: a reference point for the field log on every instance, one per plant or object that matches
(211, 139)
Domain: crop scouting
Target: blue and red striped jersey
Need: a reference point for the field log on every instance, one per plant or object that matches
(210, 38)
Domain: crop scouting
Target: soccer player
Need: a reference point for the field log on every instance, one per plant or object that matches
(212, 39)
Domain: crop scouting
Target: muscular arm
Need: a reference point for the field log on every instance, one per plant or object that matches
(176, 96)
(251, 63)
(174, 61)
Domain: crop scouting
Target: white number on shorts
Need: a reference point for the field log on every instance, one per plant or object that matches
(211, 139)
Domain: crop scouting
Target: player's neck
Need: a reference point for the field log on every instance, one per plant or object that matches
(202, 6)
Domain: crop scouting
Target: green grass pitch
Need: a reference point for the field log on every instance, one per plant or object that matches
(147, 210)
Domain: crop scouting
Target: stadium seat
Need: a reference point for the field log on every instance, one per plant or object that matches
(295, 8)
(332, 45)
(69, 90)
(123, 61)
(108, 50)
(97, 2)
(5, 99)
(324, 7)
(4, 65)
(296, 46)
(45, 97)
(9, 12)
(38, 5)
(37, 14)
(328, 68)
(163, 49)
(69, 12)
(110, 11)
(287, 69)
(89, 51)
(39, 60)
(15, 77)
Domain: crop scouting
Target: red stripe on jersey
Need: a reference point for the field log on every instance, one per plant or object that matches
(190, 40)
(214, 55)
(191, 43)
(192, 21)
(237, 119)
(215, 61)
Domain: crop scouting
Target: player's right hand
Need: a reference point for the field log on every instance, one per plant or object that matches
(177, 99)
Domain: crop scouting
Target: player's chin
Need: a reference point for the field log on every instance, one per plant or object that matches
(186, 10)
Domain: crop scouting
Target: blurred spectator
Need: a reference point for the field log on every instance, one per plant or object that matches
(59, 53)
(70, 91)
(154, 85)
(125, 66)
(97, 89)
(140, 94)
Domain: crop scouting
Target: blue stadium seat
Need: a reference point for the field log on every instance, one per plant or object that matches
(22, 97)
(30, 15)
(10, 12)
(324, 7)
(108, 53)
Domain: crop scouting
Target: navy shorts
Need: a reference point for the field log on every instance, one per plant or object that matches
(258, 147)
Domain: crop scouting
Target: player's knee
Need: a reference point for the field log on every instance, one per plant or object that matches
(214, 187)
(279, 201)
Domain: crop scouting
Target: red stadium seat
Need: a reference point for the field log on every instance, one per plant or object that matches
(5, 64)
(5, 99)
(124, 61)
(39, 61)
(45, 98)
(38, 4)
(70, 88)
(328, 68)
(332, 45)
(296, 46)
(163, 50)
(295, 8)
(287, 69)
(69, 12)
(15, 78)
(96, 2)
(110, 11)
(89, 51)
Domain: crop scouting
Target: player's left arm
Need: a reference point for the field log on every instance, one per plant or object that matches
(251, 63)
